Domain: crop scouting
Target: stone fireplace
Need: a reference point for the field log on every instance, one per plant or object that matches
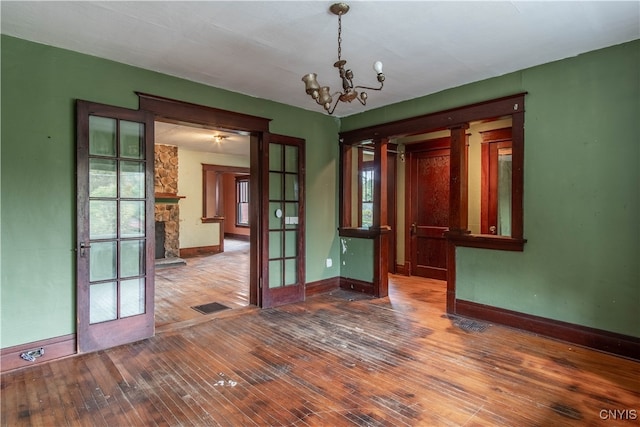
(167, 210)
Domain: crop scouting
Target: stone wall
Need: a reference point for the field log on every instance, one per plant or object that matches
(166, 181)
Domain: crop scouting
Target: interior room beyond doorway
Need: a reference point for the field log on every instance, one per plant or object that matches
(205, 262)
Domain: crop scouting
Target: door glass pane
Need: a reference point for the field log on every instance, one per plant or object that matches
(132, 258)
(132, 218)
(131, 297)
(290, 272)
(291, 187)
(291, 158)
(275, 274)
(132, 179)
(102, 136)
(102, 178)
(275, 186)
(275, 244)
(290, 243)
(103, 299)
(275, 157)
(276, 215)
(131, 139)
(102, 261)
(102, 219)
(291, 219)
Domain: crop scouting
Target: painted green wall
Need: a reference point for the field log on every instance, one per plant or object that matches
(356, 258)
(581, 194)
(39, 86)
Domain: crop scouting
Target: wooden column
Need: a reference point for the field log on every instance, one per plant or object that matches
(458, 204)
(458, 181)
(380, 220)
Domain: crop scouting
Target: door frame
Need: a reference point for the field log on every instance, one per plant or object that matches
(181, 112)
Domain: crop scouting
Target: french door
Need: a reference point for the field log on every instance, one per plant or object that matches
(282, 221)
(115, 226)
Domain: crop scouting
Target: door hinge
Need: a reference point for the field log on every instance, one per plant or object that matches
(260, 283)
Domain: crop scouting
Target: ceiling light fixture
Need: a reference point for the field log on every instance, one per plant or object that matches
(219, 138)
(322, 94)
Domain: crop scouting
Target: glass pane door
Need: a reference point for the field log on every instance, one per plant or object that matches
(284, 223)
(116, 219)
(115, 162)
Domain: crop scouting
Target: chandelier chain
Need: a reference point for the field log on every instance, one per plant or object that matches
(340, 36)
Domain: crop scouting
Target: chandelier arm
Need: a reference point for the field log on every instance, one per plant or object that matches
(362, 101)
(330, 112)
(370, 88)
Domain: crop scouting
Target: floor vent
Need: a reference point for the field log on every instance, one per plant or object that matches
(469, 325)
(212, 307)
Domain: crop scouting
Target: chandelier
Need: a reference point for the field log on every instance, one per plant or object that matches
(322, 94)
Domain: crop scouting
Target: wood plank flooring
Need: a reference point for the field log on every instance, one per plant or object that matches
(337, 359)
(222, 277)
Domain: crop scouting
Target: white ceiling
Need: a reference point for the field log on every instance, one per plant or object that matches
(202, 139)
(263, 48)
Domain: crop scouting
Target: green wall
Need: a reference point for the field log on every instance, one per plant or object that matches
(581, 191)
(39, 86)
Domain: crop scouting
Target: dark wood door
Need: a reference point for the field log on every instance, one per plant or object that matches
(115, 226)
(282, 277)
(429, 211)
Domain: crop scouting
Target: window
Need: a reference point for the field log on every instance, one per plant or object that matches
(242, 201)
(366, 190)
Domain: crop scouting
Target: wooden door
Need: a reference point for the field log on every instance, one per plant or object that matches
(282, 221)
(429, 208)
(115, 226)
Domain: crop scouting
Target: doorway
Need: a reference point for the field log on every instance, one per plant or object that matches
(202, 179)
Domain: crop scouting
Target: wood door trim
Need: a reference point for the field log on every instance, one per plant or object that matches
(181, 112)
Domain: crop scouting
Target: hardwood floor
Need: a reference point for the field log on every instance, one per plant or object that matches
(337, 359)
(222, 278)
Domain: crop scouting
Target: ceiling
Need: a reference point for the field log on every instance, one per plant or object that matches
(263, 48)
(197, 138)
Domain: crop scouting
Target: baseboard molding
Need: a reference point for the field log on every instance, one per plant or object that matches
(235, 236)
(202, 250)
(402, 269)
(322, 286)
(356, 285)
(609, 342)
(54, 348)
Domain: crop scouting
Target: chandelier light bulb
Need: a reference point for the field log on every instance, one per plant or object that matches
(377, 66)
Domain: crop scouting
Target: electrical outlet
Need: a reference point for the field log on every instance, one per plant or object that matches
(329, 262)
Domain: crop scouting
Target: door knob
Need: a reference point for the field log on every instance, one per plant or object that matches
(83, 247)
(414, 228)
